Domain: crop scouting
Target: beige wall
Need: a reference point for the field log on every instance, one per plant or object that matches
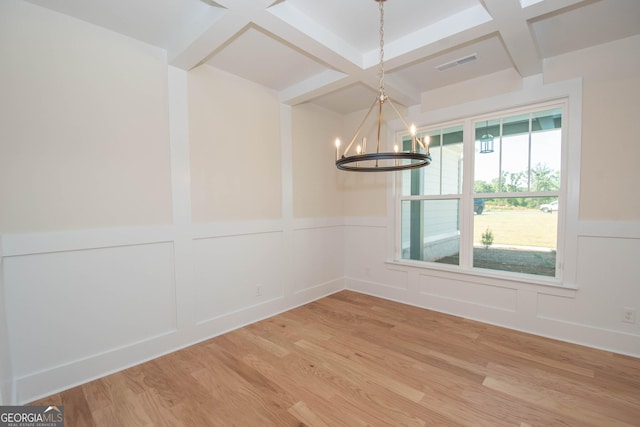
(316, 188)
(319, 188)
(365, 194)
(610, 126)
(83, 125)
(234, 142)
(610, 150)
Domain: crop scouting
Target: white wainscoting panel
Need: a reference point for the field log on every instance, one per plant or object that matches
(609, 280)
(365, 256)
(229, 270)
(318, 256)
(67, 306)
(6, 371)
(77, 310)
(467, 292)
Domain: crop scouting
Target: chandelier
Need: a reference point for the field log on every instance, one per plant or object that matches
(378, 161)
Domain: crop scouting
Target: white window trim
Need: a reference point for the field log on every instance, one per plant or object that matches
(533, 92)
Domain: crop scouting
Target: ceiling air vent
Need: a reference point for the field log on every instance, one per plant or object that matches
(457, 62)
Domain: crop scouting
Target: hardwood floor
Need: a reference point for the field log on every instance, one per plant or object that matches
(355, 360)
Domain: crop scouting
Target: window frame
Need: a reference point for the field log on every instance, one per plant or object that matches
(537, 96)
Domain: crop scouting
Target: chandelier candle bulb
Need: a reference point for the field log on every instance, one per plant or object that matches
(337, 149)
(364, 145)
(413, 138)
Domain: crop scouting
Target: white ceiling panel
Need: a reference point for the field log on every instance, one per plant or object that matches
(424, 76)
(352, 98)
(578, 28)
(256, 56)
(157, 22)
(357, 22)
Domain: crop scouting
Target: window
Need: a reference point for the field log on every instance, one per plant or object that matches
(430, 202)
(506, 218)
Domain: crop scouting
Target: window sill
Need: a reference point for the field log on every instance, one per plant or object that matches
(493, 278)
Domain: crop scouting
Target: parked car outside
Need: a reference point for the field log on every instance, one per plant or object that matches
(478, 206)
(549, 207)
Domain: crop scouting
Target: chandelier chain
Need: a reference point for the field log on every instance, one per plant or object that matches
(381, 5)
(378, 161)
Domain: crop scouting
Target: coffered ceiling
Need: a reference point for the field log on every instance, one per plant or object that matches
(327, 51)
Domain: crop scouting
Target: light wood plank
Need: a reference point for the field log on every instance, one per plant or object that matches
(302, 412)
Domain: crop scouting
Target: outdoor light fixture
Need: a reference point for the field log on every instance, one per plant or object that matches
(486, 140)
(378, 161)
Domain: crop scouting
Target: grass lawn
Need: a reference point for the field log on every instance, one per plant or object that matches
(518, 261)
(521, 227)
(517, 227)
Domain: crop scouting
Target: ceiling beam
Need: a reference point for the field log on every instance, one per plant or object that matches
(318, 85)
(309, 36)
(232, 17)
(511, 22)
(546, 8)
(194, 52)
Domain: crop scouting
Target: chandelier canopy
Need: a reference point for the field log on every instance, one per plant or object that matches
(378, 161)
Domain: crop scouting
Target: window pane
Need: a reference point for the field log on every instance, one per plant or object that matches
(515, 163)
(431, 230)
(452, 169)
(516, 125)
(444, 174)
(519, 153)
(545, 160)
(546, 150)
(517, 234)
(431, 174)
(546, 120)
(413, 179)
(487, 157)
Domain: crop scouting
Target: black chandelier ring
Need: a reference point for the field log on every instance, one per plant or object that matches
(417, 160)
